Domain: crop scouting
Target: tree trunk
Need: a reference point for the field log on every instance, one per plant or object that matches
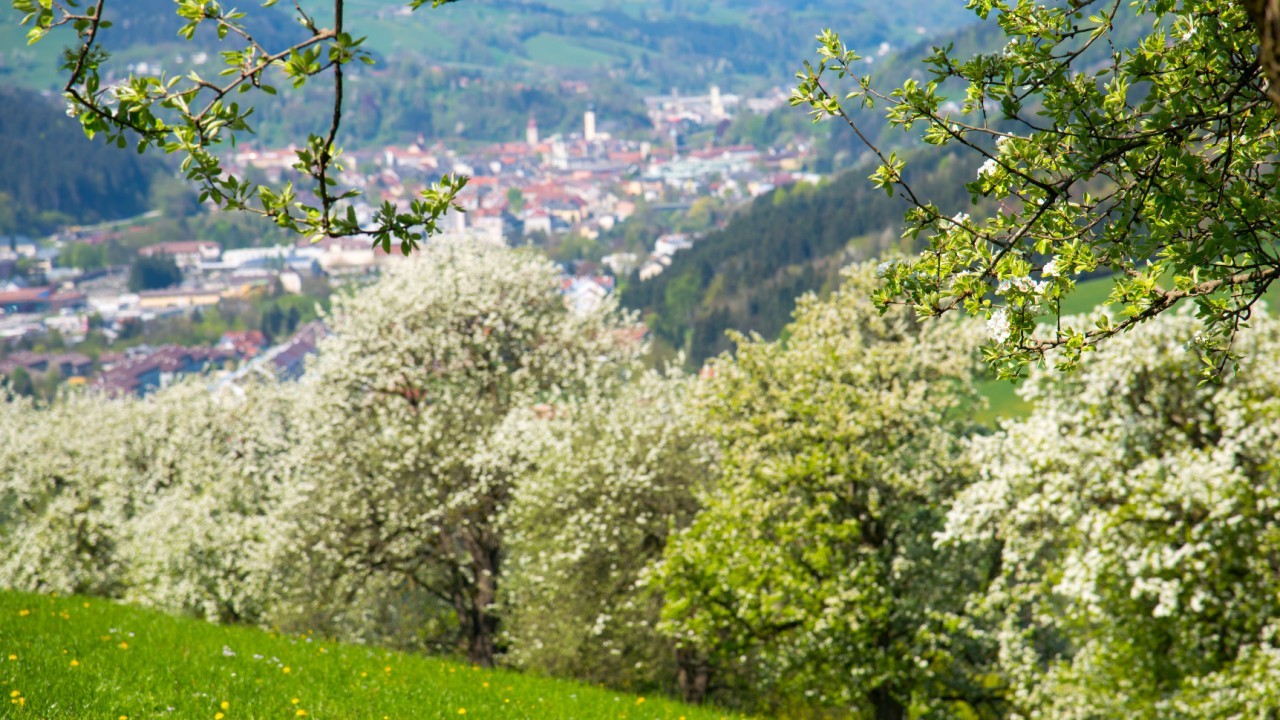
(885, 705)
(474, 601)
(693, 676)
(1265, 16)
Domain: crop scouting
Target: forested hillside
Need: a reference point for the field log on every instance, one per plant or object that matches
(662, 43)
(658, 45)
(51, 174)
(792, 241)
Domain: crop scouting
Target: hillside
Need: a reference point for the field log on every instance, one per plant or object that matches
(788, 242)
(742, 45)
(50, 173)
(76, 657)
(662, 44)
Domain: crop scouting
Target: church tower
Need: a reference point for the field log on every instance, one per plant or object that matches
(531, 132)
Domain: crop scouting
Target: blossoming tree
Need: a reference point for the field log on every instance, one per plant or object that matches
(407, 472)
(168, 501)
(609, 478)
(1137, 514)
(812, 568)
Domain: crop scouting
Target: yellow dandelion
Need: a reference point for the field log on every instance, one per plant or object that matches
(387, 668)
(15, 693)
(124, 646)
(639, 700)
(23, 613)
(22, 702)
(75, 663)
(364, 674)
(13, 657)
(295, 701)
(484, 684)
(286, 670)
(218, 716)
(124, 717)
(225, 705)
(462, 711)
(301, 713)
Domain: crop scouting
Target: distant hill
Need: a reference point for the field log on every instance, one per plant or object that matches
(141, 31)
(51, 174)
(786, 243)
(736, 43)
(667, 42)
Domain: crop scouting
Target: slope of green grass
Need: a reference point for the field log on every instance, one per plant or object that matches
(76, 657)
(547, 49)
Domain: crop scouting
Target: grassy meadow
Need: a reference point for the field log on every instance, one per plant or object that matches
(78, 657)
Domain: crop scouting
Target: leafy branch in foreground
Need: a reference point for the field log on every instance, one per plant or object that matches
(191, 115)
(1149, 158)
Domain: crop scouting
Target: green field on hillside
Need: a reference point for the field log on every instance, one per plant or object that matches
(1002, 396)
(77, 657)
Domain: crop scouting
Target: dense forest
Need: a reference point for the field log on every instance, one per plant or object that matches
(50, 174)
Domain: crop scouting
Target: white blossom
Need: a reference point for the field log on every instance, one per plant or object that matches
(998, 325)
(1133, 504)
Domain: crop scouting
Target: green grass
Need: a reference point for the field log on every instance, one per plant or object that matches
(1002, 402)
(559, 50)
(1087, 296)
(76, 657)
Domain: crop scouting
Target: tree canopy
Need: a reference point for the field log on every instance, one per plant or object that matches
(811, 570)
(412, 396)
(1134, 516)
(1148, 155)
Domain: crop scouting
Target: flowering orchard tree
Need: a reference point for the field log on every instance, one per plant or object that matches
(404, 472)
(610, 477)
(205, 538)
(1150, 159)
(167, 501)
(65, 494)
(812, 569)
(1137, 514)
